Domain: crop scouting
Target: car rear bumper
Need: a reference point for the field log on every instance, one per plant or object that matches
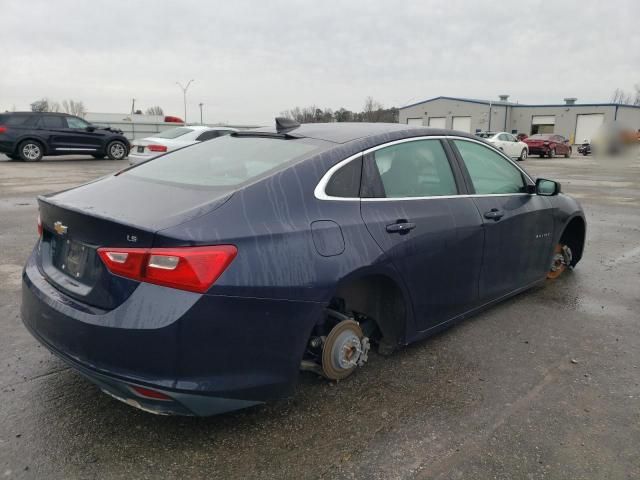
(538, 150)
(136, 158)
(217, 355)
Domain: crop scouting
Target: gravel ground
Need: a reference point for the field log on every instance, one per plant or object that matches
(545, 385)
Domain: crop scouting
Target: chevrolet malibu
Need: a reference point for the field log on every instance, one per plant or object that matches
(205, 280)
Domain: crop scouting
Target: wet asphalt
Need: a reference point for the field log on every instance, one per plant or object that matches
(543, 386)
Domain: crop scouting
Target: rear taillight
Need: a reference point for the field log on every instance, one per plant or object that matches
(3, 129)
(157, 148)
(186, 268)
(39, 226)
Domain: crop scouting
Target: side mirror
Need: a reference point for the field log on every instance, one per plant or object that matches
(90, 128)
(546, 187)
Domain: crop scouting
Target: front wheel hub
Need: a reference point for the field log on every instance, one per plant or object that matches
(562, 258)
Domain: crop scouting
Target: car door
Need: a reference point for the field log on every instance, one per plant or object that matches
(432, 235)
(518, 225)
(563, 145)
(52, 129)
(79, 136)
(505, 144)
(514, 146)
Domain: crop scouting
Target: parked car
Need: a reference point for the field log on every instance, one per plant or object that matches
(585, 148)
(506, 142)
(548, 145)
(29, 136)
(146, 148)
(205, 280)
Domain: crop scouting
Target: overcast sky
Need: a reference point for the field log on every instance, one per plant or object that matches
(253, 59)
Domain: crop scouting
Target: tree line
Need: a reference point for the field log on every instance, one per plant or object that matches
(73, 107)
(626, 98)
(76, 107)
(373, 111)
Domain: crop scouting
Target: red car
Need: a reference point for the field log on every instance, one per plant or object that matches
(548, 145)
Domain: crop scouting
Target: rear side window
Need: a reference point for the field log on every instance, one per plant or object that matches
(415, 169)
(18, 120)
(52, 121)
(490, 172)
(229, 161)
(209, 134)
(345, 183)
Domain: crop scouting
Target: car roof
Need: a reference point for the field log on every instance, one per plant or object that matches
(343, 132)
(61, 114)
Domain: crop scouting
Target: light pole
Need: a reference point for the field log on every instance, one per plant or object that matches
(200, 105)
(184, 97)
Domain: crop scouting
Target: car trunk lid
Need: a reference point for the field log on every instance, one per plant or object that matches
(119, 212)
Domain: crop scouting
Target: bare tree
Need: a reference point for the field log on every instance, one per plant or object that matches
(54, 106)
(41, 105)
(155, 110)
(310, 114)
(74, 107)
(372, 110)
(624, 98)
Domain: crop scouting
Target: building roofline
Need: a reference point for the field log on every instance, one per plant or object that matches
(510, 104)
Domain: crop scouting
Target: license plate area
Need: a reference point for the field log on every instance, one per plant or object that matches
(71, 257)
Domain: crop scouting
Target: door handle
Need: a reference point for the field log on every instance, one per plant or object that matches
(494, 214)
(400, 227)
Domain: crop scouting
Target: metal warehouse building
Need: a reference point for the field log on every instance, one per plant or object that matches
(571, 120)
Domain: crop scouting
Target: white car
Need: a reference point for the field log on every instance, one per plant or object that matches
(144, 149)
(506, 142)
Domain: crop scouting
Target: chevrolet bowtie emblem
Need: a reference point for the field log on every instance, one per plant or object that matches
(60, 228)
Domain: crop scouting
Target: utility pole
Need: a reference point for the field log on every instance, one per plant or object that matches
(184, 97)
(490, 105)
(133, 105)
(200, 105)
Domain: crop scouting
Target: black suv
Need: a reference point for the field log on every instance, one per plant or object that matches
(29, 136)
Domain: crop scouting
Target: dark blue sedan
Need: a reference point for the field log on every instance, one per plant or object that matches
(204, 280)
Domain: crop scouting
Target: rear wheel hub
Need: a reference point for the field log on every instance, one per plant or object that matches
(344, 349)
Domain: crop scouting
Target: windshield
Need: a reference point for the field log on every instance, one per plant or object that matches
(173, 132)
(229, 161)
(485, 134)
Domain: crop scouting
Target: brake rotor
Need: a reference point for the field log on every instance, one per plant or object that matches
(561, 260)
(344, 349)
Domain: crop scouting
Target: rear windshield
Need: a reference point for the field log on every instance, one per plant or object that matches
(541, 136)
(173, 132)
(485, 134)
(229, 161)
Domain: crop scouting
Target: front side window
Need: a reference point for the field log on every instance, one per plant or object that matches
(229, 161)
(490, 172)
(414, 169)
(75, 122)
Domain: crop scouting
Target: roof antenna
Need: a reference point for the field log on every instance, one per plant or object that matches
(284, 124)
